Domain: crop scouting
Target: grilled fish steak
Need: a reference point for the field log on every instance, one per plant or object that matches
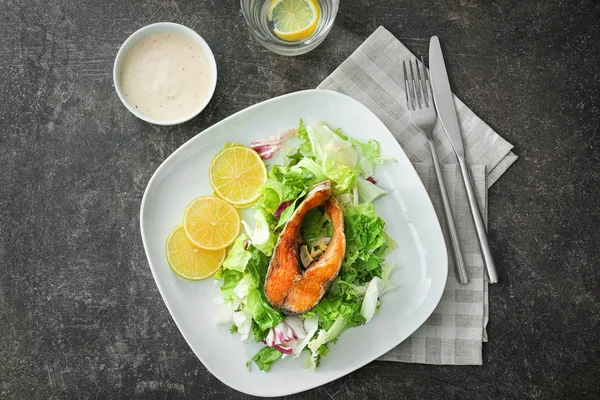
(290, 288)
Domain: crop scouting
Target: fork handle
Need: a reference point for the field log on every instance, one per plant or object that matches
(460, 266)
(479, 225)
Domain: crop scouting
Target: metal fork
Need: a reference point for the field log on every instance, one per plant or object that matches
(423, 116)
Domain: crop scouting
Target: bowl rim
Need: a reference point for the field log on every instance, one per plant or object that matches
(150, 30)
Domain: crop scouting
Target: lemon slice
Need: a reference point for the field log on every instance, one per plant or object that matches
(294, 20)
(188, 260)
(236, 173)
(211, 223)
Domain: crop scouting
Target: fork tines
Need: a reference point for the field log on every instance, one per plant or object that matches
(418, 91)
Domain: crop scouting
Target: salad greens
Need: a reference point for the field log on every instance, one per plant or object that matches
(353, 297)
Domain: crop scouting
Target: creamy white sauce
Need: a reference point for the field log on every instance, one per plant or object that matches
(166, 76)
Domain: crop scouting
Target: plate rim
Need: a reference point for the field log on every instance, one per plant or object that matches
(200, 135)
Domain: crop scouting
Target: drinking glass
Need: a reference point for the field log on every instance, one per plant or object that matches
(255, 14)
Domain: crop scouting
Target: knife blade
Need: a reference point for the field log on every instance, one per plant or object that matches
(444, 100)
(444, 104)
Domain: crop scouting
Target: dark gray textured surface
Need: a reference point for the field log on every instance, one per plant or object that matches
(80, 315)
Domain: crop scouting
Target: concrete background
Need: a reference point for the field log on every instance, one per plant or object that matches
(80, 315)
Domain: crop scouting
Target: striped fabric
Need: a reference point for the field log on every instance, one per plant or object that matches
(372, 75)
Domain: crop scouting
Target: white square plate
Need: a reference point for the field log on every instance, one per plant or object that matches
(407, 210)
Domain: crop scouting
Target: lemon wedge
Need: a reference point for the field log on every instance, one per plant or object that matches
(294, 20)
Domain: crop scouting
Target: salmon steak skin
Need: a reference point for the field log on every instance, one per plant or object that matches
(289, 287)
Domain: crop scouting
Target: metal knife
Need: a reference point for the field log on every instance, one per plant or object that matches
(444, 103)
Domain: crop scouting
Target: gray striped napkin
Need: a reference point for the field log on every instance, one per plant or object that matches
(372, 75)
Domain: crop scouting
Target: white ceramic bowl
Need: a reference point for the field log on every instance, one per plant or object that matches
(162, 27)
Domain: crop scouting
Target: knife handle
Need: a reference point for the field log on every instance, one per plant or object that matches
(459, 261)
(479, 225)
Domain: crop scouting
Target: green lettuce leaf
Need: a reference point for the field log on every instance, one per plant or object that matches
(305, 146)
(343, 177)
(295, 182)
(375, 289)
(286, 214)
(271, 192)
(231, 278)
(365, 209)
(365, 244)
(294, 158)
(339, 316)
(257, 266)
(256, 303)
(263, 236)
(390, 245)
(260, 309)
(237, 257)
(369, 154)
(336, 156)
(325, 141)
(368, 191)
(310, 165)
(265, 358)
